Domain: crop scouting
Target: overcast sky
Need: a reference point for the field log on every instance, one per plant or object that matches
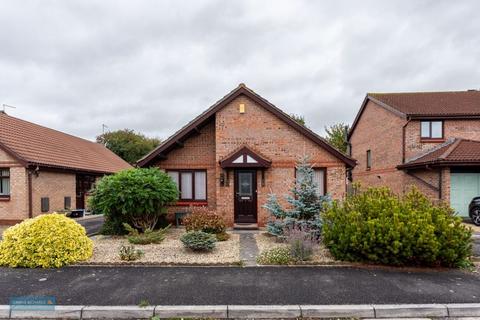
(152, 66)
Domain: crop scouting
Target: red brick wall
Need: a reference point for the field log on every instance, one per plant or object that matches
(55, 186)
(275, 140)
(380, 131)
(267, 135)
(467, 129)
(17, 207)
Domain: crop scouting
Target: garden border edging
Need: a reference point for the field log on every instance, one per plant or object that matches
(366, 311)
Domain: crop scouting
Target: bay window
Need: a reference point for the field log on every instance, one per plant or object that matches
(192, 184)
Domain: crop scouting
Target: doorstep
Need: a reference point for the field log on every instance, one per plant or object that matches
(245, 226)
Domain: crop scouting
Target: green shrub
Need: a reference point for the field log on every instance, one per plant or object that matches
(134, 196)
(279, 255)
(301, 242)
(202, 219)
(47, 241)
(198, 241)
(222, 236)
(129, 253)
(380, 227)
(148, 237)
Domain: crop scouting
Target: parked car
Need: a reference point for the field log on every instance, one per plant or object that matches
(474, 210)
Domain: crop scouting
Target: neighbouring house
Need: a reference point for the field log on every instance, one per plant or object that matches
(237, 152)
(44, 170)
(427, 139)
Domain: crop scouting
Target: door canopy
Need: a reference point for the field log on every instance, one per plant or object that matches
(245, 158)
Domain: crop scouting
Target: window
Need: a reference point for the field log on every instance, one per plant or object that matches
(45, 204)
(67, 203)
(369, 159)
(4, 182)
(318, 177)
(431, 129)
(192, 184)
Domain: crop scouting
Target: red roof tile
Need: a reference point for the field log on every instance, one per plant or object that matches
(453, 103)
(37, 145)
(453, 152)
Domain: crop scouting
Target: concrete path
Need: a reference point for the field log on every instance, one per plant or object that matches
(235, 285)
(248, 248)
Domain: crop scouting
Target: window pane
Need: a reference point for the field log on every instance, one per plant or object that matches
(186, 181)
(174, 176)
(5, 186)
(437, 129)
(369, 159)
(200, 185)
(4, 172)
(425, 130)
(319, 178)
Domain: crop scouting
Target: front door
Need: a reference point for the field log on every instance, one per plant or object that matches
(245, 196)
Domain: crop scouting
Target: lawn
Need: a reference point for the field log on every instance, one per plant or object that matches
(169, 251)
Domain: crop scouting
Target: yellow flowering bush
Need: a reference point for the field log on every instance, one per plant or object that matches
(47, 241)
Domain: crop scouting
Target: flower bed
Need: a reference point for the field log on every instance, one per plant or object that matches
(321, 255)
(169, 251)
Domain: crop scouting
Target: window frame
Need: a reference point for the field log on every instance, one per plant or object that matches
(192, 171)
(324, 170)
(6, 196)
(430, 138)
(369, 159)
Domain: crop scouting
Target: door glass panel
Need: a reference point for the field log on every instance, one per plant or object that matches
(245, 183)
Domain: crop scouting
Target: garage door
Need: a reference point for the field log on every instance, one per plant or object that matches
(463, 188)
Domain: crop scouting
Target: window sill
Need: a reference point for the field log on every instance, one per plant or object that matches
(432, 140)
(191, 203)
(4, 198)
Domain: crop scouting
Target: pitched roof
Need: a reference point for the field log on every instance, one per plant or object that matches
(33, 144)
(193, 125)
(452, 152)
(452, 103)
(425, 105)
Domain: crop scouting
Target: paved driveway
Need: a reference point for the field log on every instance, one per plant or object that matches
(92, 224)
(236, 285)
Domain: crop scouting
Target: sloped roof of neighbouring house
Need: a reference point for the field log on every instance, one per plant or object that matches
(426, 105)
(32, 144)
(178, 138)
(453, 152)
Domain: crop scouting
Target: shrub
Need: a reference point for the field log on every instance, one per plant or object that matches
(202, 219)
(148, 237)
(129, 253)
(301, 243)
(134, 196)
(380, 227)
(279, 255)
(47, 241)
(222, 236)
(304, 202)
(198, 241)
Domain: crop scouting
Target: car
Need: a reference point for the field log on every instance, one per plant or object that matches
(474, 210)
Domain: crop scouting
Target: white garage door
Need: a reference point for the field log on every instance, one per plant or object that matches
(463, 188)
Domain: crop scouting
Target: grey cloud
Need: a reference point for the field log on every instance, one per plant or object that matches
(154, 65)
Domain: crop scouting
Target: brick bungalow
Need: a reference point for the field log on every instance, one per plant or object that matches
(427, 139)
(238, 151)
(44, 170)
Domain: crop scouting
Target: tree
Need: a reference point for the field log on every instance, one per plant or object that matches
(298, 118)
(337, 136)
(128, 144)
(134, 196)
(305, 204)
